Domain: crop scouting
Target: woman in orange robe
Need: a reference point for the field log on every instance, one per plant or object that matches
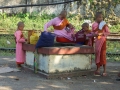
(101, 31)
(60, 24)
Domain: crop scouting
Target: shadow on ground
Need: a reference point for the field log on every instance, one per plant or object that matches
(27, 80)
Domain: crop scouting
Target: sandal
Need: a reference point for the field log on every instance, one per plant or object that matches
(117, 79)
(118, 74)
(19, 68)
(97, 73)
(104, 74)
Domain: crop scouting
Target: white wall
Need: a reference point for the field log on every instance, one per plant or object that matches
(75, 7)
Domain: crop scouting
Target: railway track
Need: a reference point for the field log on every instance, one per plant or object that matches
(111, 37)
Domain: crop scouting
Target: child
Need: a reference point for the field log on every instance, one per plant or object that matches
(84, 35)
(101, 31)
(19, 38)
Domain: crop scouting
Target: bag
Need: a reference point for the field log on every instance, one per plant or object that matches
(46, 40)
(34, 38)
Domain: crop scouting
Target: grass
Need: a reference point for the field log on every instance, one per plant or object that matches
(3, 42)
(36, 21)
(7, 53)
(113, 47)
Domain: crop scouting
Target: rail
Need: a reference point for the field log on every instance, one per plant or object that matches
(111, 37)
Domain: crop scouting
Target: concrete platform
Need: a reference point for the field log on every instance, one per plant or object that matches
(59, 60)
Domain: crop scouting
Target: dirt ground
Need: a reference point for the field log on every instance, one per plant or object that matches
(27, 80)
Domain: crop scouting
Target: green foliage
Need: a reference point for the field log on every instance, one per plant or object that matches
(36, 21)
(4, 39)
(32, 21)
(115, 28)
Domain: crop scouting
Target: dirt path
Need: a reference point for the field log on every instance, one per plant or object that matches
(26, 80)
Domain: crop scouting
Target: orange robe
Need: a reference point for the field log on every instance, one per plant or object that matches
(60, 29)
(100, 44)
(62, 25)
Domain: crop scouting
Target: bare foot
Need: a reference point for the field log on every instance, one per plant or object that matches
(97, 73)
